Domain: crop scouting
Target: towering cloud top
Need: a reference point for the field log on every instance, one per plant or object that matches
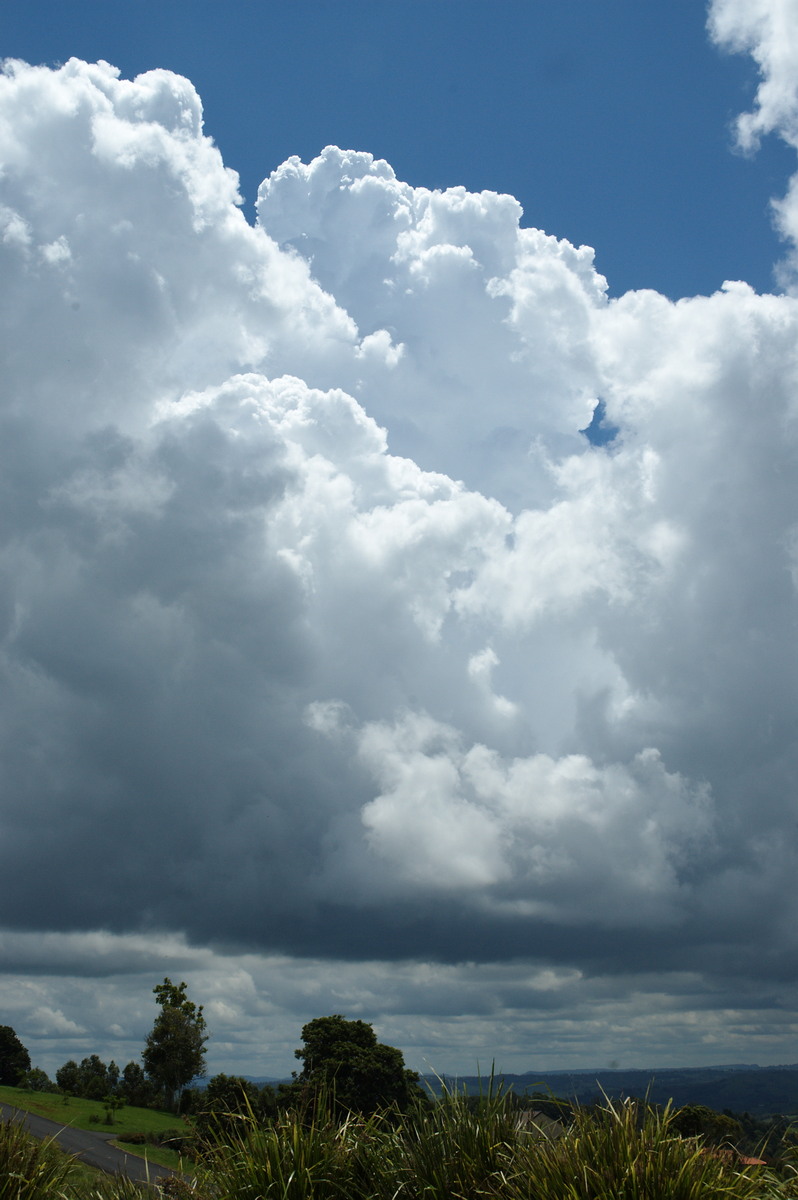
(324, 628)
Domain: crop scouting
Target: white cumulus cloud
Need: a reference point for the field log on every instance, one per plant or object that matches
(329, 643)
(768, 31)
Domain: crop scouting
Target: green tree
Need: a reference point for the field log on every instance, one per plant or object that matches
(134, 1086)
(343, 1060)
(37, 1080)
(14, 1058)
(174, 1052)
(68, 1077)
(94, 1081)
(696, 1120)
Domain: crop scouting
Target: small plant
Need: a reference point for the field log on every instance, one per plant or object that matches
(180, 1189)
(117, 1188)
(112, 1105)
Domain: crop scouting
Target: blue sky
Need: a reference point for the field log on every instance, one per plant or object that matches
(609, 122)
(339, 671)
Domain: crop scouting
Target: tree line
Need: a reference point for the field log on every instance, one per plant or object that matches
(341, 1060)
(173, 1055)
(344, 1070)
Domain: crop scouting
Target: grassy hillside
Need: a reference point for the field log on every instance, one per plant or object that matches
(91, 1114)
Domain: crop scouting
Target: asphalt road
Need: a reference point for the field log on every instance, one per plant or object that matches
(90, 1148)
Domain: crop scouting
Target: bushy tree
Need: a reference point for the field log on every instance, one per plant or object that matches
(14, 1058)
(343, 1060)
(697, 1120)
(90, 1079)
(37, 1080)
(94, 1079)
(134, 1087)
(68, 1077)
(174, 1053)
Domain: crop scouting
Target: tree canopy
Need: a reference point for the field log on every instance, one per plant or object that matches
(14, 1058)
(134, 1087)
(344, 1060)
(174, 1052)
(227, 1101)
(697, 1120)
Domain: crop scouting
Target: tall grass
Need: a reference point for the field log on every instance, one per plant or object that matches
(30, 1169)
(301, 1156)
(462, 1150)
(456, 1149)
(627, 1151)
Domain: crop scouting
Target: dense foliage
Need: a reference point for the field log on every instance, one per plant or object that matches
(226, 1102)
(456, 1149)
(174, 1052)
(36, 1080)
(344, 1061)
(173, 1055)
(90, 1078)
(14, 1058)
(460, 1150)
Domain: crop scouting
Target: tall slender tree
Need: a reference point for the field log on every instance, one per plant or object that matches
(174, 1052)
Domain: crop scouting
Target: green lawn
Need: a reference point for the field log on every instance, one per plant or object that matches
(161, 1155)
(79, 1113)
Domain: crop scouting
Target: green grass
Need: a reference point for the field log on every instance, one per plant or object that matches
(78, 1113)
(161, 1155)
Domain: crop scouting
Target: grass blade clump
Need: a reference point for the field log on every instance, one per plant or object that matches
(627, 1151)
(114, 1187)
(475, 1148)
(30, 1169)
(461, 1146)
(297, 1157)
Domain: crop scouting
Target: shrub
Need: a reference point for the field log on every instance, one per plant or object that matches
(36, 1080)
(173, 1139)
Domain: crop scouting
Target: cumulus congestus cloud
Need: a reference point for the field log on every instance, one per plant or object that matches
(325, 632)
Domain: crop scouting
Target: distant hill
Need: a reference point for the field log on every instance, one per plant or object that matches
(270, 1079)
(761, 1091)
